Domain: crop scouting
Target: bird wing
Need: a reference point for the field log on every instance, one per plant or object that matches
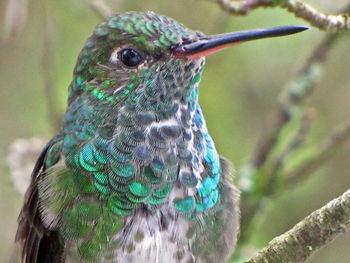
(40, 245)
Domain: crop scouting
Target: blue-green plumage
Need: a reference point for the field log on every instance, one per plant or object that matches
(133, 175)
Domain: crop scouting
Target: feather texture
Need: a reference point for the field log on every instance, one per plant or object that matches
(133, 174)
(39, 244)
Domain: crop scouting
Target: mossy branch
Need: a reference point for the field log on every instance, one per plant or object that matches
(313, 232)
(292, 95)
(265, 176)
(300, 9)
(325, 151)
(297, 142)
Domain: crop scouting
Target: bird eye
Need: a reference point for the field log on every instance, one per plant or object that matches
(130, 57)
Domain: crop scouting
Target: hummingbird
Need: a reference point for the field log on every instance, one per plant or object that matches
(133, 175)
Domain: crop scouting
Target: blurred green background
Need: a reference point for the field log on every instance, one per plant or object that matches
(238, 93)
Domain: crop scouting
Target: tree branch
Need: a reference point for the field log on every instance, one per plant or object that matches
(101, 9)
(292, 95)
(324, 152)
(296, 142)
(320, 20)
(313, 232)
(54, 116)
(254, 178)
(15, 17)
(21, 157)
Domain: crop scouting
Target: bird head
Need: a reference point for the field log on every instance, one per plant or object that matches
(150, 60)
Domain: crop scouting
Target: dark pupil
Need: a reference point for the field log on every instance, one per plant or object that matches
(130, 57)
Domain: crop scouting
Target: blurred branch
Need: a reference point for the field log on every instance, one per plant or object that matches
(21, 157)
(101, 9)
(325, 151)
(313, 232)
(47, 69)
(300, 9)
(297, 141)
(255, 179)
(292, 95)
(15, 16)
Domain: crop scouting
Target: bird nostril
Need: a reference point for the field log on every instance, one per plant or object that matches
(186, 40)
